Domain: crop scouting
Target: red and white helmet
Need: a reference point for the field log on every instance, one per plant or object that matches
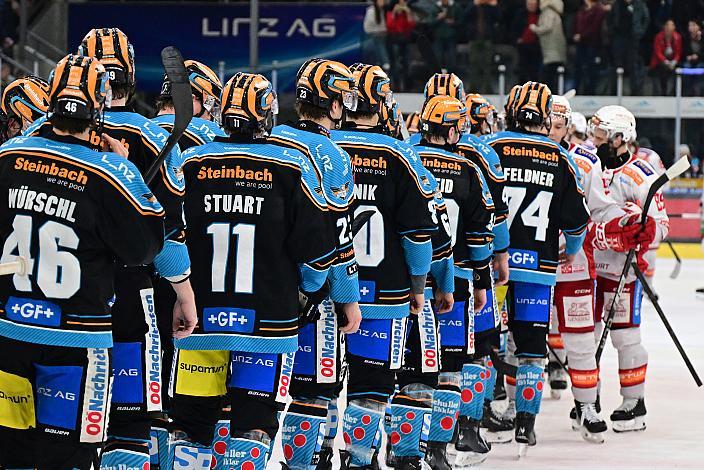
(614, 120)
(561, 108)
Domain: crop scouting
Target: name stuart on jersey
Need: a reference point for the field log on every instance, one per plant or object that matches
(233, 203)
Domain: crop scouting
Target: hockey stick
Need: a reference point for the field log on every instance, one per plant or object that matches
(502, 366)
(649, 292)
(679, 167)
(360, 220)
(678, 261)
(183, 105)
(19, 266)
(563, 366)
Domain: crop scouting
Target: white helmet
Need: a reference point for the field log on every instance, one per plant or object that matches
(561, 108)
(614, 120)
(579, 122)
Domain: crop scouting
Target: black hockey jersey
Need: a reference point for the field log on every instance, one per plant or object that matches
(333, 167)
(544, 196)
(69, 211)
(395, 243)
(470, 208)
(144, 139)
(257, 231)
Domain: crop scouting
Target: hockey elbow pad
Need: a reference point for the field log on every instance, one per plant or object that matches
(309, 303)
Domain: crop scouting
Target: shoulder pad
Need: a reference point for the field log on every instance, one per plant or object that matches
(644, 167)
(581, 151)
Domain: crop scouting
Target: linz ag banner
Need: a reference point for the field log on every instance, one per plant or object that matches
(207, 32)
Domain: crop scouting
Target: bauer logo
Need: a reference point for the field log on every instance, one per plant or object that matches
(191, 458)
(523, 259)
(36, 312)
(230, 320)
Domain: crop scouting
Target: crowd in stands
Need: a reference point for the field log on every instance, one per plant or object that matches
(534, 39)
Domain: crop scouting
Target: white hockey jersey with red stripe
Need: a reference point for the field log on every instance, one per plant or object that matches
(630, 183)
(602, 207)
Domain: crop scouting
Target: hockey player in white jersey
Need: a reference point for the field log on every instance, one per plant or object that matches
(573, 322)
(626, 179)
(577, 130)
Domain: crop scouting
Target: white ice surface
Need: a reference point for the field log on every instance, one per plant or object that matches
(674, 437)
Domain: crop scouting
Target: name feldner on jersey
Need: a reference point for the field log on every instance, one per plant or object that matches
(395, 243)
(544, 196)
(69, 212)
(602, 207)
(630, 183)
(257, 232)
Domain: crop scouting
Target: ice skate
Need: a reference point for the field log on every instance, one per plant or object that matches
(558, 380)
(471, 447)
(525, 433)
(436, 456)
(325, 459)
(499, 430)
(576, 426)
(411, 463)
(630, 416)
(589, 423)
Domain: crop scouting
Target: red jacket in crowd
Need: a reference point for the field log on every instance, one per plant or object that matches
(661, 46)
(400, 24)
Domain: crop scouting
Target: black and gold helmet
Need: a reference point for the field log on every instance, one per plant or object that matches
(79, 88)
(113, 49)
(319, 82)
(413, 122)
(533, 104)
(373, 88)
(205, 85)
(248, 104)
(25, 99)
(443, 112)
(446, 84)
(479, 110)
(510, 105)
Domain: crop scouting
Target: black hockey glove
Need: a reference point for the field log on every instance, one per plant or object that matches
(308, 303)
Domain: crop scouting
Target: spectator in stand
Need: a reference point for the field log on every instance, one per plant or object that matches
(375, 30)
(483, 17)
(684, 10)
(693, 56)
(552, 40)
(9, 23)
(667, 53)
(628, 22)
(400, 23)
(587, 37)
(529, 56)
(6, 76)
(444, 23)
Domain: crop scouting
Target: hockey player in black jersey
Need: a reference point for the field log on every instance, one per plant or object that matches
(68, 213)
(23, 101)
(258, 221)
(206, 89)
(544, 196)
(324, 91)
(394, 253)
(471, 214)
